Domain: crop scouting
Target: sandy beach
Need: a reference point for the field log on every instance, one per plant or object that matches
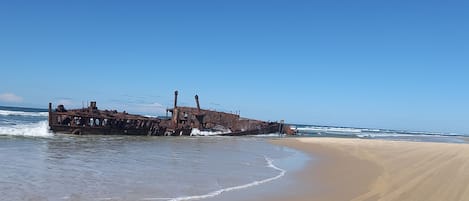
(366, 170)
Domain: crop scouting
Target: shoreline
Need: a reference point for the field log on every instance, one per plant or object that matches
(329, 176)
(364, 169)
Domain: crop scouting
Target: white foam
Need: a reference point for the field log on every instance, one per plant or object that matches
(21, 113)
(197, 132)
(268, 135)
(330, 129)
(218, 192)
(39, 129)
(373, 135)
(150, 116)
(370, 130)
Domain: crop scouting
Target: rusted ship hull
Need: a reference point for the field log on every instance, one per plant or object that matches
(183, 120)
(100, 131)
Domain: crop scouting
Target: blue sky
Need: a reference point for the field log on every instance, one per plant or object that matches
(384, 64)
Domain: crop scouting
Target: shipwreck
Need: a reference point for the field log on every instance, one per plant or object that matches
(183, 121)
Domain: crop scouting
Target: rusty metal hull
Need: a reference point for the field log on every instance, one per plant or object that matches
(90, 120)
(65, 129)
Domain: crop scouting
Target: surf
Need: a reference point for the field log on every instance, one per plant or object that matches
(23, 113)
(38, 129)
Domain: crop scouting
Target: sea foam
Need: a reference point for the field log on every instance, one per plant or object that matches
(197, 132)
(39, 129)
(329, 129)
(22, 113)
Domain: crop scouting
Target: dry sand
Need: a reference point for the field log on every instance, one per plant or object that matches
(359, 170)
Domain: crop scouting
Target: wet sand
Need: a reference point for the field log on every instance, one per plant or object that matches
(368, 170)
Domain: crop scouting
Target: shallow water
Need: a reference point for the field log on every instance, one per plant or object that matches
(133, 168)
(38, 165)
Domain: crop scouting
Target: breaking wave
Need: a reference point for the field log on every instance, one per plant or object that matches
(328, 129)
(197, 132)
(38, 129)
(374, 133)
(269, 135)
(22, 113)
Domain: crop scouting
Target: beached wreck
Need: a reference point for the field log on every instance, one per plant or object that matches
(183, 121)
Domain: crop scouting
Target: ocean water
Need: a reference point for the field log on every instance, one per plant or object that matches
(384, 134)
(38, 165)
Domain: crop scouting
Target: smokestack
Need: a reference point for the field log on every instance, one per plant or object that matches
(50, 113)
(175, 99)
(197, 101)
(175, 110)
(199, 116)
